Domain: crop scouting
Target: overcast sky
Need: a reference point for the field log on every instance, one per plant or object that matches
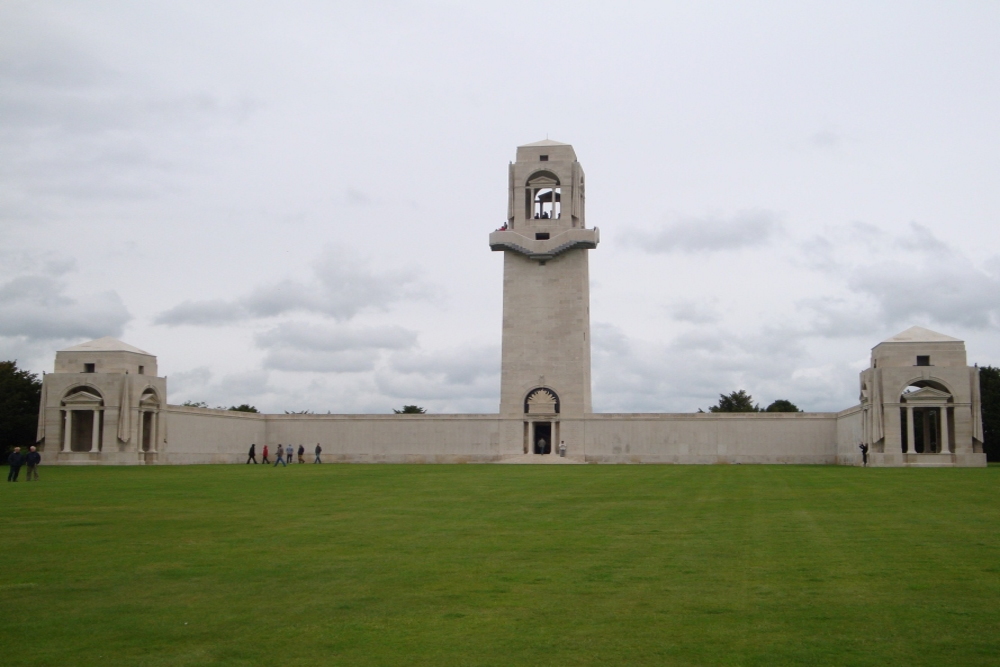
(289, 203)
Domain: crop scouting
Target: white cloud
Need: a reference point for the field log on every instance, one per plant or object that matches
(38, 307)
(342, 286)
(710, 234)
(299, 346)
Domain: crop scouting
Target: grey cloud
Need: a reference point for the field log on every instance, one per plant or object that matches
(294, 346)
(710, 234)
(460, 366)
(896, 280)
(463, 379)
(336, 339)
(691, 370)
(947, 292)
(695, 312)
(39, 307)
(311, 361)
(922, 240)
(341, 288)
(77, 128)
(199, 384)
(825, 139)
(211, 312)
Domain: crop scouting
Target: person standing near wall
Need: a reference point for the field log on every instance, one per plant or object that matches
(318, 450)
(15, 461)
(289, 451)
(864, 454)
(279, 456)
(302, 452)
(253, 454)
(562, 449)
(33, 459)
(264, 459)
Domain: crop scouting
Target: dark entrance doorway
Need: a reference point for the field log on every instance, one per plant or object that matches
(543, 437)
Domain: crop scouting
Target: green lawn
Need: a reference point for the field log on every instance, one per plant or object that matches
(501, 565)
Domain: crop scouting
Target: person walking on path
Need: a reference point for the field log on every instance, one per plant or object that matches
(15, 460)
(253, 454)
(278, 457)
(318, 450)
(562, 448)
(864, 454)
(302, 451)
(33, 459)
(263, 458)
(289, 451)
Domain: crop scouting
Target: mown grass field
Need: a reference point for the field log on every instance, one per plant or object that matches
(501, 565)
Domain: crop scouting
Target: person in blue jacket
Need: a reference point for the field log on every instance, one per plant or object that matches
(33, 459)
(15, 461)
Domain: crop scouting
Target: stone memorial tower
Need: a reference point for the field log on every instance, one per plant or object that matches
(545, 368)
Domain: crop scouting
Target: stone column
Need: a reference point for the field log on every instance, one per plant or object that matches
(154, 423)
(95, 434)
(911, 440)
(943, 422)
(68, 435)
(138, 429)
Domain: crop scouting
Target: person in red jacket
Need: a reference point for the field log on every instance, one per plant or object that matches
(264, 459)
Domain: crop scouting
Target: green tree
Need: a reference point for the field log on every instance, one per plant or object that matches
(245, 407)
(195, 404)
(410, 410)
(20, 397)
(989, 387)
(298, 412)
(738, 401)
(781, 405)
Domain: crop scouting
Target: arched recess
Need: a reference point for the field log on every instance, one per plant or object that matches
(541, 401)
(83, 419)
(149, 414)
(542, 196)
(927, 417)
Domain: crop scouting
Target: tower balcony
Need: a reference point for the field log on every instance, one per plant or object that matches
(543, 246)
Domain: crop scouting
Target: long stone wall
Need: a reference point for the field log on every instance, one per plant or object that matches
(197, 435)
(190, 435)
(204, 435)
(707, 438)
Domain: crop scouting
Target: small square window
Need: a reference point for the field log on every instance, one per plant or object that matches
(543, 158)
(89, 368)
(142, 370)
(924, 360)
(542, 236)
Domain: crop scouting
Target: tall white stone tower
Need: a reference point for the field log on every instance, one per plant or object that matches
(545, 369)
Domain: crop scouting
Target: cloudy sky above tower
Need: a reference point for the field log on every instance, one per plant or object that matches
(289, 203)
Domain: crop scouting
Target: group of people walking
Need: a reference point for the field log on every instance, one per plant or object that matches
(282, 455)
(16, 459)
